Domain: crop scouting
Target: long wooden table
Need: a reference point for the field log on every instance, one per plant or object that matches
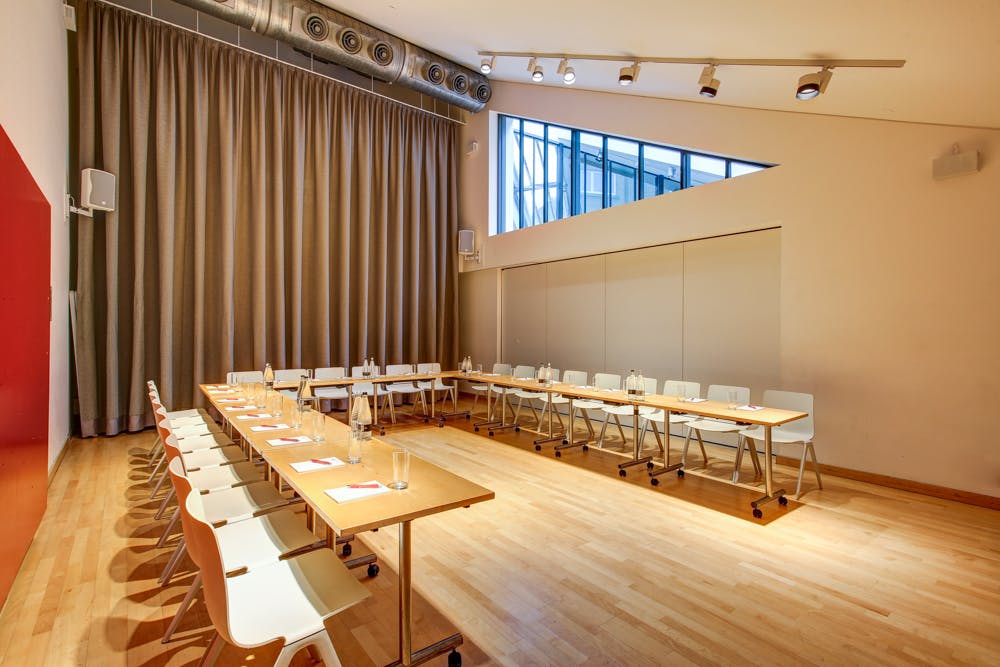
(431, 490)
(768, 418)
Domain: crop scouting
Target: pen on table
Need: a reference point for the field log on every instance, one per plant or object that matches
(362, 486)
(289, 439)
(321, 462)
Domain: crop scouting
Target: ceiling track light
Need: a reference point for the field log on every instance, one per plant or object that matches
(709, 84)
(814, 83)
(629, 74)
(568, 73)
(488, 64)
(536, 70)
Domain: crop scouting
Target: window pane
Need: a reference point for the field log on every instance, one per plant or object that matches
(533, 186)
(510, 175)
(706, 169)
(590, 181)
(740, 168)
(623, 161)
(559, 176)
(661, 171)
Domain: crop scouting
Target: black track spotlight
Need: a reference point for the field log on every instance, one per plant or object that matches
(709, 84)
(814, 83)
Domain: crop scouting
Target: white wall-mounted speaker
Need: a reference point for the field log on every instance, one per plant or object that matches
(955, 164)
(466, 242)
(97, 190)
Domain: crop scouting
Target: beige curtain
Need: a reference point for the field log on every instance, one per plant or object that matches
(264, 214)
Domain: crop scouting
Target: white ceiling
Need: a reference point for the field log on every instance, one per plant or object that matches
(951, 48)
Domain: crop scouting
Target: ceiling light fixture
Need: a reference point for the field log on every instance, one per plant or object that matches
(709, 84)
(568, 73)
(536, 70)
(488, 64)
(629, 74)
(814, 83)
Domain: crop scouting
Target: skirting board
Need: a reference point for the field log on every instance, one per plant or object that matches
(59, 460)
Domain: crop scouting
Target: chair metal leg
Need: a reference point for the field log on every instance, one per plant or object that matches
(159, 484)
(169, 527)
(620, 431)
(212, 652)
(159, 464)
(600, 440)
(163, 505)
(168, 571)
(185, 603)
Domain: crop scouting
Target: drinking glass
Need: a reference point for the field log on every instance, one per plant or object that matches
(260, 396)
(353, 449)
(479, 368)
(318, 426)
(733, 400)
(400, 469)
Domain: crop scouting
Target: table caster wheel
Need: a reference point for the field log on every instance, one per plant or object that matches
(622, 472)
(373, 570)
(649, 465)
(655, 481)
(558, 455)
(783, 501)
(517, 429)
(680, 473)
(477, 429)
(757, 514)
(491, 434)
(467, 417)
(454, 659)
(538, 448)
(347, 549)
(586, 448)
(441, 424)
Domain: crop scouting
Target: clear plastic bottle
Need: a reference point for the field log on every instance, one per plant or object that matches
(548, 375)
(364, 419)
(630, 385)
(640, 386)
(268, 377)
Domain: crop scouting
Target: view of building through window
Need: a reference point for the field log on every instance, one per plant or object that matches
(548, 172)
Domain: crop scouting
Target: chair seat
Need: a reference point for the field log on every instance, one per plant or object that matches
(330, 392)
(241, 502)
(196, 443)
(588, 405)
(714, 425)
(262, 539)
(479, 387)
(290, 598)
(619, 409)
(224, 477)
(657, 416)
(196, 420)
(184, 414)
(436, 385)
(195, 429)
(207, 458)
(523, 393)
(403, 388)
(778, 434)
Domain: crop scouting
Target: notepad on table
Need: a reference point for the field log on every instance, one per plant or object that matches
(268, 427)
(222, 391)
(234, 408)
(749, 408)
(290, 440)
(317, 464)
(254, 415)
(232, 400)
(693, 399)
(345, 494)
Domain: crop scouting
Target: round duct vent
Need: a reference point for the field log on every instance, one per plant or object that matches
(382, 54)
(316, 27)
(460, 84)
(435, 73)
(350, 40)
(483, 93)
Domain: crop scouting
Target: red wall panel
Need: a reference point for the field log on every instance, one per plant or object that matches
(24, 359)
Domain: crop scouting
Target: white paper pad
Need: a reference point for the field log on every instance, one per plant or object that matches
(693, 400)
(255, 415)
(234, 408)
(345, 494)
(309, 466)
(750, 408)
(232, 400)
(222, 391)
(268, 427)
(290, 440)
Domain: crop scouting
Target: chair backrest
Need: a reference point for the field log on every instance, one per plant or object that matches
(329, 373)
(673, 388)
(244, 377)
(398, 369)
(289, 374)
(361, 387)
(791, 400)
(524, 372)
(649, 385)
(720, 392)
(575, 377)
(204, 551)
(608, 381)
(430, 367)
(501, 369)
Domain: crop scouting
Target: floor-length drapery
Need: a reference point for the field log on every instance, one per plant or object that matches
(264, 214)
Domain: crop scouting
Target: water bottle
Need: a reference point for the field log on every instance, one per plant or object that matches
(374, 367)
(364, 420)
(268, 377)
(366, 370)
(640, 386)
(303, 396)
(548, 375)
(630, 390)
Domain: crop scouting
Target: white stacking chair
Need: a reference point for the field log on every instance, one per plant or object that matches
(244, 377)
(288, 600)
(437, 385)
(523, 395)
(654, 416)
(330, 393)
(481, 389)
(246, 543)
(403, 389)
(617, 410)
(289, 375)
(609, 381)
(721, 393)
(576, 378)
(361, 389)
(798, 432)
(521, 372)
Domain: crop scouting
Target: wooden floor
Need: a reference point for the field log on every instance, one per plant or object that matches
(569, 565)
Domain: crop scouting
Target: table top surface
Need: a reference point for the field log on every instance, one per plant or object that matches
(431, 488)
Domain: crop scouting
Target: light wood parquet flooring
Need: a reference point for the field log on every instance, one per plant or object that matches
(569, 565)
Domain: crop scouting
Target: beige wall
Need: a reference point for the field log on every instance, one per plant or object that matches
(889, 279)
(34, 107)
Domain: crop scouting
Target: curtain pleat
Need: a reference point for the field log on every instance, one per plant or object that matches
(264, 214)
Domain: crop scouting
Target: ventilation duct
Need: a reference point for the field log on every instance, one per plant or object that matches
(338, 38)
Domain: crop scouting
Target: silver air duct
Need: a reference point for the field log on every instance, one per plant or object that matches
(338, 38)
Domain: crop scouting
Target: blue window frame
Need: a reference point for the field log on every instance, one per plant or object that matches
(548, 172)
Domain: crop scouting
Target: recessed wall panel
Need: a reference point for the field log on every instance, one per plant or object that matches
(576, 314)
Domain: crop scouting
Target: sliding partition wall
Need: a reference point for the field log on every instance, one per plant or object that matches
(705, 310)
